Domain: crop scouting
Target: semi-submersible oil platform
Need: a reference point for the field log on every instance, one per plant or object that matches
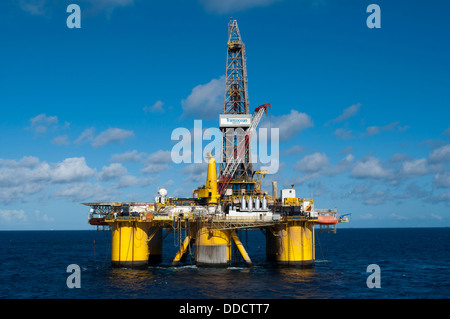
(208, 223)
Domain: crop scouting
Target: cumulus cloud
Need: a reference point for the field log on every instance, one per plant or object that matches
(343, 133)
(293, 150)
(84, 191)
(442, 180)
(289, 125)
(108, 136)
(157, 162)
(86, 136)
(12, 216)
(440, 155)
(373, 130)
(351, 111)
(205, 100)
(23, 178)
(70, 170)
(370, 168)
(416, 167)
(111, 135)
(41, 123)
(34, 7)
(343, 165)
(112, 171)
(312, 163)
(155, 108)
(61, 140)
(131, 156)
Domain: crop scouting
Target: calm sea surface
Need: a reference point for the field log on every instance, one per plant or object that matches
(414, 263)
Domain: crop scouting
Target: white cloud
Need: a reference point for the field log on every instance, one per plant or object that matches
(28, 176)
(373, 130)
(157, 162)
(399, 157)
(347, 113)
(70, 170)
(312, 163)
(129, 181)
(86, 136)
(220, 6)
(205, 100)
(438, 217)
(112, 171)
(444, 197)
(131, 156)
(61, 140)
(43, 217)
(398, 217)
(343, 165)
(293, 150)
(289, 124)
(343, 133)
(440, 155)
(84, 191)
(378, 197)
(12, 215)
(414, 168)
(370, 168)
(40, 123)
(346, 150)
(34, 7)
(442, 180)
(111, 135)
(155, 108)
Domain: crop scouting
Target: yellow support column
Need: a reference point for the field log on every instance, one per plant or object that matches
(129, 244)
(212, 248)
(291, 244)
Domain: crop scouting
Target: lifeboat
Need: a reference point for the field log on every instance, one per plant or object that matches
(326, 219)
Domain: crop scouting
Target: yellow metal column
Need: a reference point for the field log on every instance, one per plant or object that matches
(129, 244)
(291, 244)
(212, 247)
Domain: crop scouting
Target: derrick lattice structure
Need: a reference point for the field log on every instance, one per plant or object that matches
(236, 104)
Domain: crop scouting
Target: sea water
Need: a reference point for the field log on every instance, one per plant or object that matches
(414, 263)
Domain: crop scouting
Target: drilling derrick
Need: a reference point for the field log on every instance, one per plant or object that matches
(235, 120)
(225, 204)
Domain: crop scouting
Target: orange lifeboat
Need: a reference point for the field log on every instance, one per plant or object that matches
(326, 220)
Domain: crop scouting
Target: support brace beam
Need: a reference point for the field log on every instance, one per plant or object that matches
(241, 248)
(182, 250)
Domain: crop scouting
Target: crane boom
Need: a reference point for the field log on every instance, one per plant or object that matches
(233, 163)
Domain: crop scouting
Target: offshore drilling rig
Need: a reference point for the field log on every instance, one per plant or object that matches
(233, 201)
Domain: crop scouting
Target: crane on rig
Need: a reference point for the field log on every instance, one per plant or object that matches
(233, 163)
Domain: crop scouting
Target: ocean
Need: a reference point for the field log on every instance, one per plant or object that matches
(414, 263)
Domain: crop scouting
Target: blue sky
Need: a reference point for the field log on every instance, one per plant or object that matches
(87, 114)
